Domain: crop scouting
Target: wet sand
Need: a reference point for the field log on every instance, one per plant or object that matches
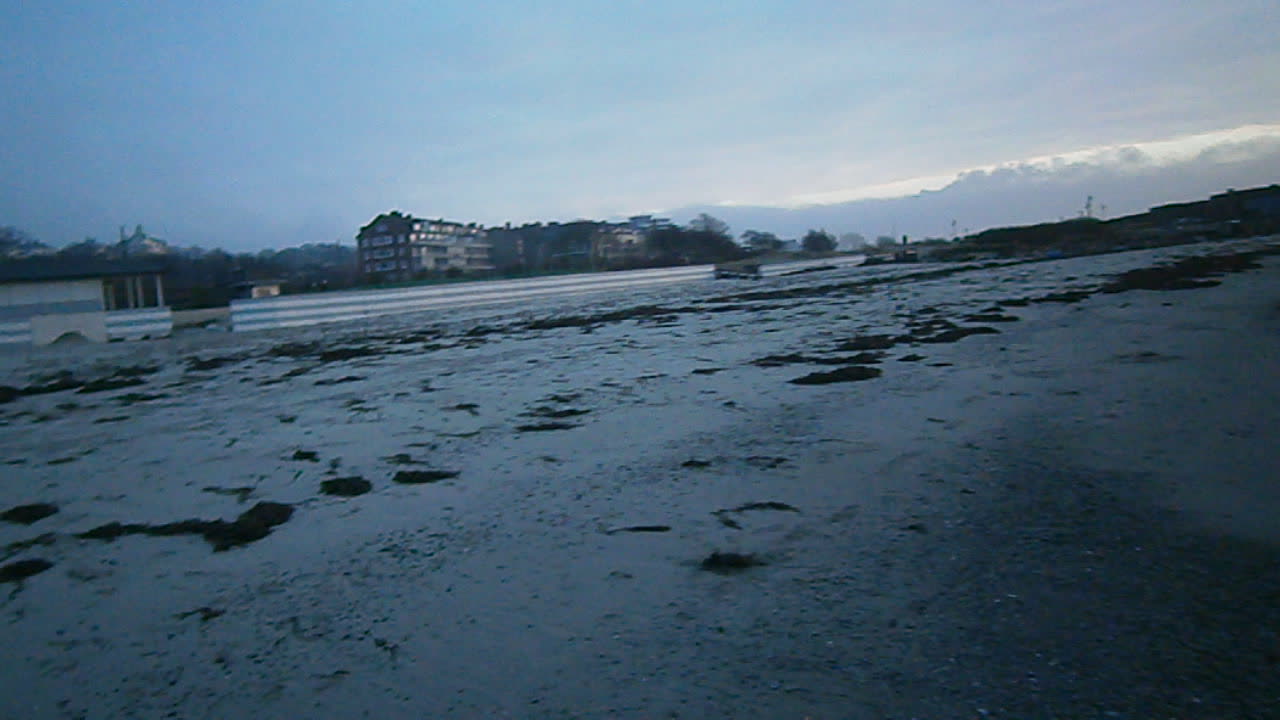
(1013, 490)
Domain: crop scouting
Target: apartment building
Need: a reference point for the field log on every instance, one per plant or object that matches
(395, 247)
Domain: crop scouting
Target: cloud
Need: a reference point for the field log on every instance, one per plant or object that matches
(1123, 179)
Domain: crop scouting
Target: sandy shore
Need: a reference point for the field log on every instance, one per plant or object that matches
(1007, 490)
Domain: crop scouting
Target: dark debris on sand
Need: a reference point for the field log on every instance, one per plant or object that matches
(23, 569)
(639, 529)
(552, 413)
(112, 382)
(205, 613)
(135, 370)
(955, 334)
(578, 321)
(294, 349)
(18, 546)
(867, 342)
(766, 505)
(199, 364)
(28, 514)
(51, 383)
(324, 353)
(861, 358)
(346, 486)
(852, 373)
(349, 352)
(135, 397)
(766, 462)
(121, 377)
(420, 477)
(340, 380)
(546, 427)
(1186, 274)
(241, 494)
(252, 525)
(729, 562)
(726, 516)
(1066, 297)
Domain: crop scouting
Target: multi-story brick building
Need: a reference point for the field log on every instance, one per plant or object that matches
(395, 247)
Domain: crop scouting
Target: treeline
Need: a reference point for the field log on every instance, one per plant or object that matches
(195, 277)
(198, 278)
(591, 245)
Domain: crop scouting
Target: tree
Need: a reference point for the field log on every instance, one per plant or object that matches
(16, 243)
(757, 241)
(884, 242)
(818, 241)
(680, 246)
(707, 223)
(89, 247)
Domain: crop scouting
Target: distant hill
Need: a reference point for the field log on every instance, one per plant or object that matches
(1122, 183)
(1235, 213)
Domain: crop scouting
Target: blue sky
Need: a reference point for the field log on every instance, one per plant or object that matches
(262, 124)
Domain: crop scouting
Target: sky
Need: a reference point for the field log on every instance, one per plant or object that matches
(1107, 183)
(249, 125)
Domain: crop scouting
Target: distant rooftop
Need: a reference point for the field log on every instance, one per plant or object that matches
(43, 269)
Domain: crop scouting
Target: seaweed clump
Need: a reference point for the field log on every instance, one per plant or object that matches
(729, 562)
(27, 514)
(252, 525)
(852, 373)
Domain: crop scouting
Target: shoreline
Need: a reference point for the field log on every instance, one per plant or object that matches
(919, 499)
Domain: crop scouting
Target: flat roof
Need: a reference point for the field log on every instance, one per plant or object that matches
(48, 270)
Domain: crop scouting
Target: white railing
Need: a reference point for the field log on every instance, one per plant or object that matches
(839, 261)
(120, 325)
(299, 310)
(138, 324)
(15, 333)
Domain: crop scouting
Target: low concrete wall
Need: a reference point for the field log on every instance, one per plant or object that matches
(47, 329)
(298, 310)
(17, 332)
(788, 268)
(205, 316)
(138, 324)
(98, 326)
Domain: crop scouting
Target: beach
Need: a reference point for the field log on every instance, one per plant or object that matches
(989, 489)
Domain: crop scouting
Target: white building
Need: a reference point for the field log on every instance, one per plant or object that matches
(43, 301)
